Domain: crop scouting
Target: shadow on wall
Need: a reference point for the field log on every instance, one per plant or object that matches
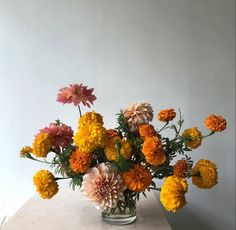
(194, 219)
(186, 219)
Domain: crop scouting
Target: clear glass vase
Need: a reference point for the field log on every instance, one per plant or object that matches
(118, 216)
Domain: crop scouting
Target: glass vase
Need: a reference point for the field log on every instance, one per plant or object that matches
(118, 216)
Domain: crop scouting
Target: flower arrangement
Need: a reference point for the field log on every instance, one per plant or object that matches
(112, 167)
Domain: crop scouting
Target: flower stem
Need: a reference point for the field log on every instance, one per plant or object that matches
(196, 174)
(157, 189)
(46, 162)
(211, 133)
(80, 114)
(163, 127)
(180, 121)
(61, 178)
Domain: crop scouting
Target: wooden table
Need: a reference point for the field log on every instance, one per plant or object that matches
(70, 210)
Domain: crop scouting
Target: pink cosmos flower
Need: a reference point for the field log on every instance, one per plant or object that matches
(60, 133)
(76, 94)
(103, 187)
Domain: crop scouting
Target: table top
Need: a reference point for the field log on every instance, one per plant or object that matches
(69, 210)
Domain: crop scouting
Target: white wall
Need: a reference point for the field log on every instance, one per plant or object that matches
(176, 53)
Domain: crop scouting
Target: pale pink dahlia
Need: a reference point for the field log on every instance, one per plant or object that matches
(103, 186)
(76, 94)
(138, 113)
(61, 134)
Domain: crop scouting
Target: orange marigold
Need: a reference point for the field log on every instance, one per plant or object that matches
(153, 151)
(180, 168)
(166, 115)
(215, 123)
(138, 178)
(147, 130)
(112, 133)
(80, 161)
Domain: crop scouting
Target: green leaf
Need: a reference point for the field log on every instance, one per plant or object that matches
(153, 184)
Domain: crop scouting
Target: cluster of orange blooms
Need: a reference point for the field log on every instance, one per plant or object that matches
(131, 155)
(139, 177)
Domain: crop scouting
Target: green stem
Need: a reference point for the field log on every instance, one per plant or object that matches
(157, 189)
(3, 221)
(46, 162)
(163, 127)
(180, 118)
(80, 114)
(211, 133)
(177, 136)
(161, 168)
(62, 178)
(196, 174)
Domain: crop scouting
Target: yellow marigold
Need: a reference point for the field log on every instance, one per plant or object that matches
(204, 174)
(215, 123)
(110, 148)
(153, 151)
(126, 149)
(79, 161)
(172, 194)
(45, 183)
(42, 145)
(193, 137)
(146, 130)
(166, 115)
(138, 178)
(180, 168)
(25, 151)
(90, 118)
(90, 137)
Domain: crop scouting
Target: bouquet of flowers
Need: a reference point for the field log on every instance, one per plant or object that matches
(112, 167)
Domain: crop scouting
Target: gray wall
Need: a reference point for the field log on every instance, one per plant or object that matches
(171, 53)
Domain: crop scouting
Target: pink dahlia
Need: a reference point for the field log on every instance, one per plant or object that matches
(76, 94)
(61, 134)
(137, 114)
(103, 187)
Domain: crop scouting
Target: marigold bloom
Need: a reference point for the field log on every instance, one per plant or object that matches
(126, 149)
(60, 134)
(79, 161)
(103, 187)
(90, 118)
(180, 168)
(152, 149)
(45, 184)
(172, 194)
(215, 123)
(25, 151)
(138, 113)
(110, 148)
(138, 178)
(193, 137)
(204, 174)
(166, 115)
(90, 137)
(112, 133)
(42, 145)
(76, 94)
(147, 130)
